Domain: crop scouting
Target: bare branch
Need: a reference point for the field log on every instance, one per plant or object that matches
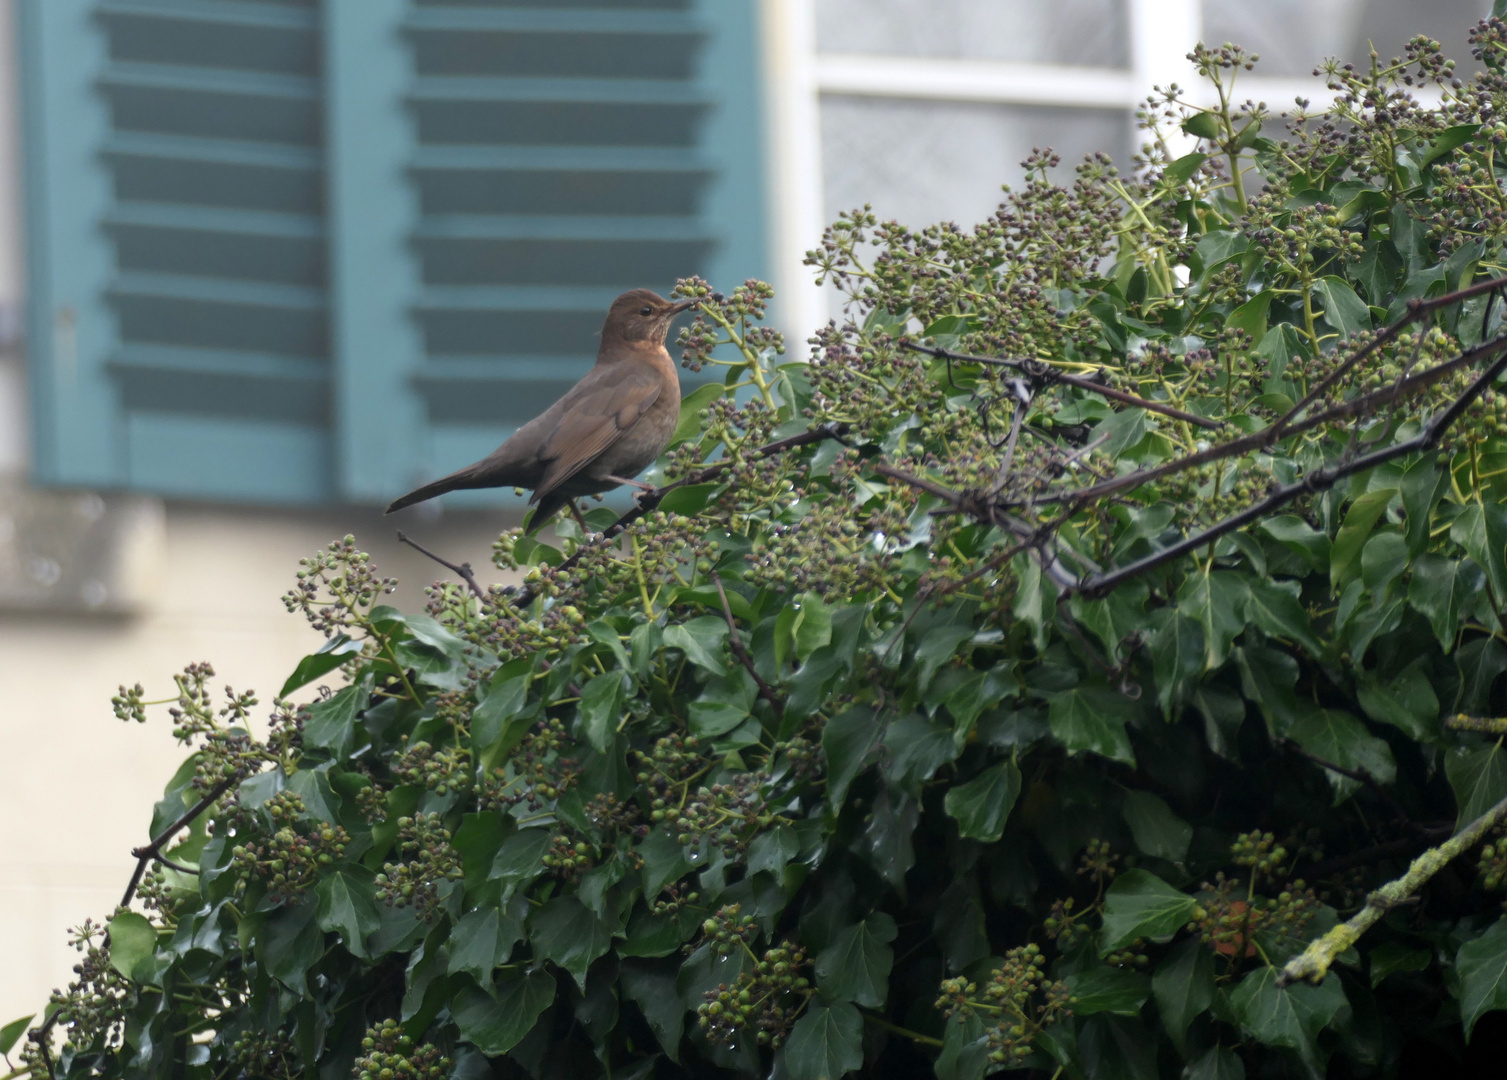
(736, 641)
(1037, 370)
(464, 569)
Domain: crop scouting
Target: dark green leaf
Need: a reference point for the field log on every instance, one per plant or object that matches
(1216, 602)
(982, 805)
(495, 1023)
(1407, 702)
(1436, 591)
(1141, 905)
(483, 940)
(1361, 518)
(1177, 656)
(692, 405)
(690, 500)
(1290, 1017)
(290, 943)
(1251, 316)
(856, 965)
(1184, 987)
(826, 1043)
(347, 906)
(517, 861)
(133, 943)
(654, 992)
(1092, 719)
(1102, 988)
(1394, 956)
(1448, 140)
(567, 932)
(1204, 125)
(13, 1031)
(1274, 607)
(917, 749)
(702, 641)
(600, 709)
(338, 650)
(1115, 1048)
(965, 1051)
(1341, 739)
(1158, 832)
(332, 723)
(1183, 167)
(1216, 1063)
(847, 740)
(1479, 780)
(1343, 310)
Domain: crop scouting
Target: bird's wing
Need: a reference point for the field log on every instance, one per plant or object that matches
(593, 422)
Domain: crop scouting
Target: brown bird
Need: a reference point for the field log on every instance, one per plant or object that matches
(603, 432)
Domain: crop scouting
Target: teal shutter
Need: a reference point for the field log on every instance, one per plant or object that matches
(292, 251)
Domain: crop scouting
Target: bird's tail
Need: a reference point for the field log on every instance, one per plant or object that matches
(462, 478)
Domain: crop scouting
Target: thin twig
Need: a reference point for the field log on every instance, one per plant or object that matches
(464, 569)
(1360, 776)
(145, 855)
(736, 641)
(165, 861)
(1036, 369)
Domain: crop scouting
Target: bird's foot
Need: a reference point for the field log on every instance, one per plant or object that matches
(631, 483)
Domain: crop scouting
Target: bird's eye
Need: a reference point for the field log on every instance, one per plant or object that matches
(646, 311)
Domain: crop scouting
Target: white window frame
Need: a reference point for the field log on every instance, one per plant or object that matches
(1162, 33)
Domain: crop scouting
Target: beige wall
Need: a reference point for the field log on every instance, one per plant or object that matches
(77, 786)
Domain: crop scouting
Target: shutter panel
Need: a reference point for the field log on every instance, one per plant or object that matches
(179, 315)
(563, 152)
(201, 325)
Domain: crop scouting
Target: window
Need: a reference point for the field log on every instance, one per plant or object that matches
(292, 251)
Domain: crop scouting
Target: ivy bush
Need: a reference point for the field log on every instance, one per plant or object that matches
(1059, 669)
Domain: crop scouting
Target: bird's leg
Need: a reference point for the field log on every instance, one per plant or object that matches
(575, 512)
(631, 483)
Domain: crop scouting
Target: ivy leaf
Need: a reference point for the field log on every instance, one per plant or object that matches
(1343, 310)
(1141, 905)
(330, 656)
(1216, 1063)
(332, 723)
(1393, 956)
(1177, 658)
(701, 640)
(1289, 1017)
(1107, 989)
(1479, 780)
(981, 806)
(13, 1031)
(655, 994)
(812, 626)
(1275, 608)
(1482, 531)
(346, 905)
(691, 408)
(1344, 557)
(772, 850)
(826, 1043)
(290, 943)
(1092, 719)
(1407, 702)
(567, 932)
(1341, 739)
(917, 749)
(495, 1023)
(856, 965)
(847, 740)
(600, 708)
(484, 938)
(1216, 602)
(965, 1051)
(1437, 591)
(517, 861)
(1157, 831)
(133, 944)
(1184, 987)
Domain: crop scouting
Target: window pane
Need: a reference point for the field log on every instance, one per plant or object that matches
(1088, 32)
(921, 162)
(1294, 36)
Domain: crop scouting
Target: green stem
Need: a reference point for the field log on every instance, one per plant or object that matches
(913, 1036)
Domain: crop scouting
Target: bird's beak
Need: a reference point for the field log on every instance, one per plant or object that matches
(684, 305)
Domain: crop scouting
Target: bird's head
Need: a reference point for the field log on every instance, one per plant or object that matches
(640, 315)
